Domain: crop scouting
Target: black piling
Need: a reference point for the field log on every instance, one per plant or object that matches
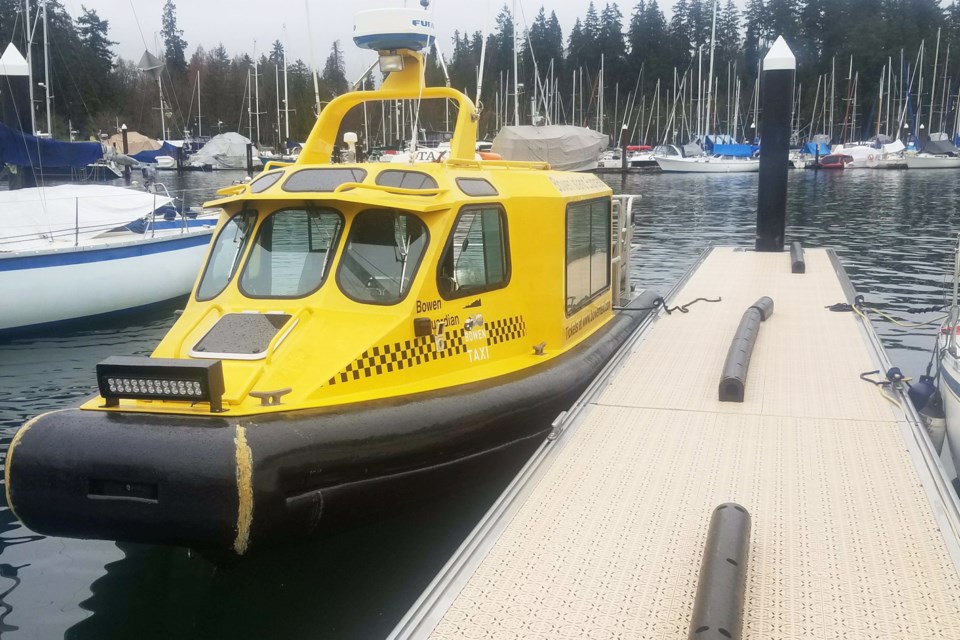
(180, 153)
(15, 94)
(623, 148)
(779, 67)
(721, 587)
(250, 159)
(126, 152)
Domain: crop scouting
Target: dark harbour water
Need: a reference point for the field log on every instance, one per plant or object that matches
(894, 231)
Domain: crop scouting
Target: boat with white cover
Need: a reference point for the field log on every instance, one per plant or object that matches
(74, 251)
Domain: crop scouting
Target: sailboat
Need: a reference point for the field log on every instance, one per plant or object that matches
(725, 158)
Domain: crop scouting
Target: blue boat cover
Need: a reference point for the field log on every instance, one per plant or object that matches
(166, 149)
(735, 150)
(810, 148)
(25, 150)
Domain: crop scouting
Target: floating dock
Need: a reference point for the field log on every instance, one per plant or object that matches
(855, 528)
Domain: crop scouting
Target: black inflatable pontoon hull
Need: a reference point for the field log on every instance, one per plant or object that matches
(239, 483)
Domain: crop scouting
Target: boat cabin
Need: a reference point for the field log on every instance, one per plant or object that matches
(329, 283)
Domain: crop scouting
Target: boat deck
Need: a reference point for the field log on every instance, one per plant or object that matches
(856, 533)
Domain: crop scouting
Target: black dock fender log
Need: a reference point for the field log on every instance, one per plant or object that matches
(797, 263)
(718, 607)
(733, 379)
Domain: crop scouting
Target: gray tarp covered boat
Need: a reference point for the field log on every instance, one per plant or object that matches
(565, 147)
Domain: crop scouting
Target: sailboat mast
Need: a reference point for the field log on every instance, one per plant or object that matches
(249, 106)
(276, 78)
(29, 32)
(944, 92)
(833, 91)
(933, 83)
(256, 90)
(286, 99)
(46, 71)
(713, 38)
(163, 116)
(516, 85)
(880, 100)
(199, 107)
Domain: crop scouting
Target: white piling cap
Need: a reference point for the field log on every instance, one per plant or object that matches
(12, 63)
(780, 57)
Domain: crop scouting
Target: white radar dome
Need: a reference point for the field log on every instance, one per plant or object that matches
(391, 29)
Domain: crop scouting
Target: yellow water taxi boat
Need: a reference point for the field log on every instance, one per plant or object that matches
(358, 330)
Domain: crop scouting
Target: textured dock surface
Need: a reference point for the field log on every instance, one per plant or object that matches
(855, 534)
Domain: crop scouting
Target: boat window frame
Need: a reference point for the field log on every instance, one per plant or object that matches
(415, 270)
(332, 251)
(448, 246)
(586, 302)
(240, 259)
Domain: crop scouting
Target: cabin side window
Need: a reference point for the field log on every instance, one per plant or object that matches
(382, 256)
(476, 258)
(588, 252)
(226, 254)
(292, 253)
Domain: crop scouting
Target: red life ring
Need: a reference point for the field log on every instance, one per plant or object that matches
(870, 158)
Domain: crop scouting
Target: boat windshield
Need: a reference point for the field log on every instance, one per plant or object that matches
(292, 252)
(226, 253)
(382, 256)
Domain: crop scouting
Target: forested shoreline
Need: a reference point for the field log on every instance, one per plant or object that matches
(94, 90)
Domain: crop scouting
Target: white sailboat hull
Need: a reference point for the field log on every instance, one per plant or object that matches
(708, 165)
(932, 162)
(43, 287)
(950, 393)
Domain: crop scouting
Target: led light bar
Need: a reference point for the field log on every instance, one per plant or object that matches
(142, 378)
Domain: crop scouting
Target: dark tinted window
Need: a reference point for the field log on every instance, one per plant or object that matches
(406, 179)
(322, 179)
(477, 187)
(265, 181)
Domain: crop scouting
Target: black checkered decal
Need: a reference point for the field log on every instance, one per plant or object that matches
(410, 353)
(500, 331)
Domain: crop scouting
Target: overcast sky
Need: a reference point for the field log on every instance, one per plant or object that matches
(237, 23)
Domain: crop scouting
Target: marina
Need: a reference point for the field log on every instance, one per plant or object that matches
(50, 582)
(453, 388)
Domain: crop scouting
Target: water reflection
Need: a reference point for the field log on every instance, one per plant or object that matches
(353, 584)
(893, 230)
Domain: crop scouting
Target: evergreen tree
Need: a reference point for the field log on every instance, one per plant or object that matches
(592, 33)
(93, 35)
(810, 43)
(174, 44)
(334, 71)
(756, 36)
(612, 46)
(576, 45)
(783, 19)
(276, 52)
(649, 42)
(728, 33)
